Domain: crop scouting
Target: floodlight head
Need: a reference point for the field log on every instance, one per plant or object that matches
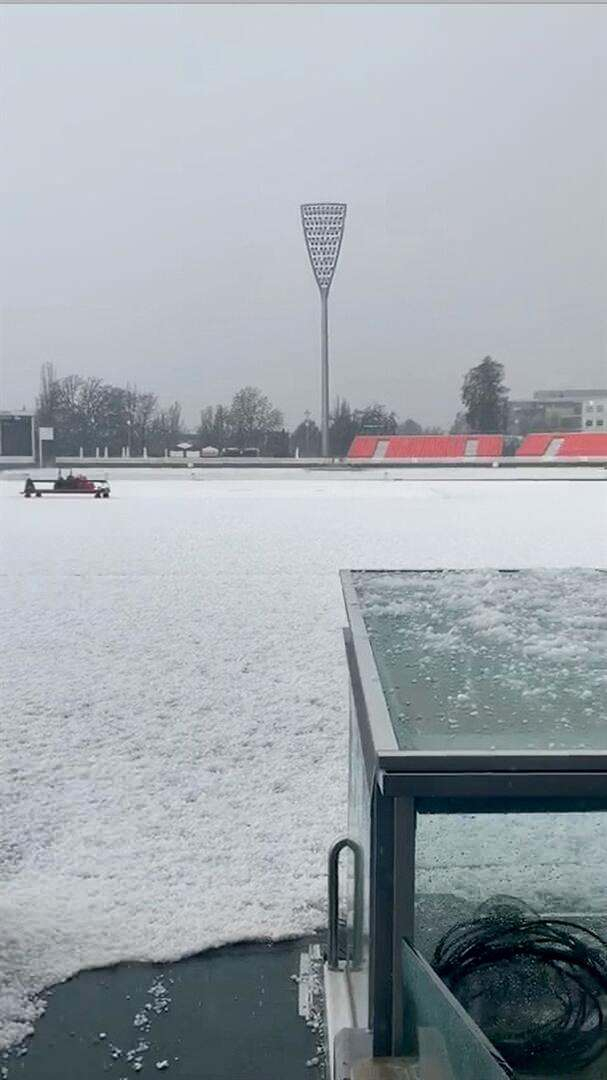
(323, 226)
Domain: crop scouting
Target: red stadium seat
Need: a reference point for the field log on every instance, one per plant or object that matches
(489, 445)
(363, 446)
(564, 444)
(534, 445)
(426, 446)
(584, 444)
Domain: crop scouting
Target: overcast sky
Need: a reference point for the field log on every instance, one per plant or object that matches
(153, 163)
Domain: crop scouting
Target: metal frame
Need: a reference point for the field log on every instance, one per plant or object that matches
(407, 782)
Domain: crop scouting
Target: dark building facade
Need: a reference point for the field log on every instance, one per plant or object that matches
(17, 437)
(559, 410)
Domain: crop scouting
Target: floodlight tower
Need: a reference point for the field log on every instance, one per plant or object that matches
(323, 226)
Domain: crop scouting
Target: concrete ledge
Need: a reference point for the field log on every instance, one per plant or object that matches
(385, 1069)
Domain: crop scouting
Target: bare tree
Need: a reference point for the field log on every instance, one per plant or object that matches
(252, 416)
(92, 414)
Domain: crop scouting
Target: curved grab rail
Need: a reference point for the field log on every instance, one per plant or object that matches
(333, 882)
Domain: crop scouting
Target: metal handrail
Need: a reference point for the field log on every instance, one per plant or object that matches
(333, 898)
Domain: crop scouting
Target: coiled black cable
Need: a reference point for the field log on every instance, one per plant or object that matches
(536, 986)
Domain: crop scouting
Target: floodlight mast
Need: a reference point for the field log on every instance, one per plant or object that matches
(323, 227)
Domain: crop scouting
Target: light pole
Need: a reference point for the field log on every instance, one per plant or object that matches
(323, 226)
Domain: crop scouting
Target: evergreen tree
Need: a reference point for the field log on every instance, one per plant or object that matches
(306, 438)
(375, 420)
(485, 398)
(410, 427)
(343, 426)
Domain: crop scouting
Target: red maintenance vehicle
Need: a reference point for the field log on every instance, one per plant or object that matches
(67, 485)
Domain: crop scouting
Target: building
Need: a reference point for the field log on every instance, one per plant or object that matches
(594, 413)
(560, 410)
(17, 438)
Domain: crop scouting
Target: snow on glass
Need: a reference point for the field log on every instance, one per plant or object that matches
(485, 660)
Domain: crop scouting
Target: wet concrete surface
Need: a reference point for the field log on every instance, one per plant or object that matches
(227, 1014)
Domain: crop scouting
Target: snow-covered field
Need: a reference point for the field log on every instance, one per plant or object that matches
(174, 698)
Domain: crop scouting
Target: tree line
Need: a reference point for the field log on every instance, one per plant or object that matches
(90, 413)
(93, 414)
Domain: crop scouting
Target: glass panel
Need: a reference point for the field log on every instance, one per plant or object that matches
(439, 1036)
(359, 830)
(487, 872)
(490, 660)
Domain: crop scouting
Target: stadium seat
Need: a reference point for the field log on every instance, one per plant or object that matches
(534, 445)
(584, 444)
(363, 446)
(564, 444)
(426, 446)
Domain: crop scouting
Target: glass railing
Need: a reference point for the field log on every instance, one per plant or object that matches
(439, 1035)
